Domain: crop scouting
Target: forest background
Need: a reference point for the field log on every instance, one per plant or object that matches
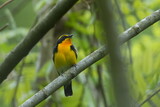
(94, 87)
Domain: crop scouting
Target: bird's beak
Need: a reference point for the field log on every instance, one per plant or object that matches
(70, 36)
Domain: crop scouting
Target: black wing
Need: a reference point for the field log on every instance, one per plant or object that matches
(74, 49)
(54, 51)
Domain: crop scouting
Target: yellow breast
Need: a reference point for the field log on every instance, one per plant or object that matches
(64, 57)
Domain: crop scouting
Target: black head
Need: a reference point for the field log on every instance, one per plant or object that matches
(63, 37)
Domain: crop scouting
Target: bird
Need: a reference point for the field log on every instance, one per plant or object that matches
(64, 57)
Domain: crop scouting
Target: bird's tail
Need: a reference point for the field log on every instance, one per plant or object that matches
(68, 89)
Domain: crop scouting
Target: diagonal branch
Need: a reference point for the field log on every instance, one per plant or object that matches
(148, 98)
(5, 3)
(35, 34)
(89, 60)
(2, 28)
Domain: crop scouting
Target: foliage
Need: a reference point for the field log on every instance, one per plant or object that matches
(83, 22)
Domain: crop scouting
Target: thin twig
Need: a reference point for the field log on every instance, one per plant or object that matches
(15, 9)
(148, 98)
(81, 98)
(83, 90)
(5, 3)
(99, 71)
(124, 27)
(17, 84)
(5, 26)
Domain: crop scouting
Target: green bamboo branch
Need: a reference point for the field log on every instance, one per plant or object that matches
(117, 68)
(35, 34)
(89, 60)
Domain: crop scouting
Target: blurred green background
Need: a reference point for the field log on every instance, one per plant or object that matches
(93, 87)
